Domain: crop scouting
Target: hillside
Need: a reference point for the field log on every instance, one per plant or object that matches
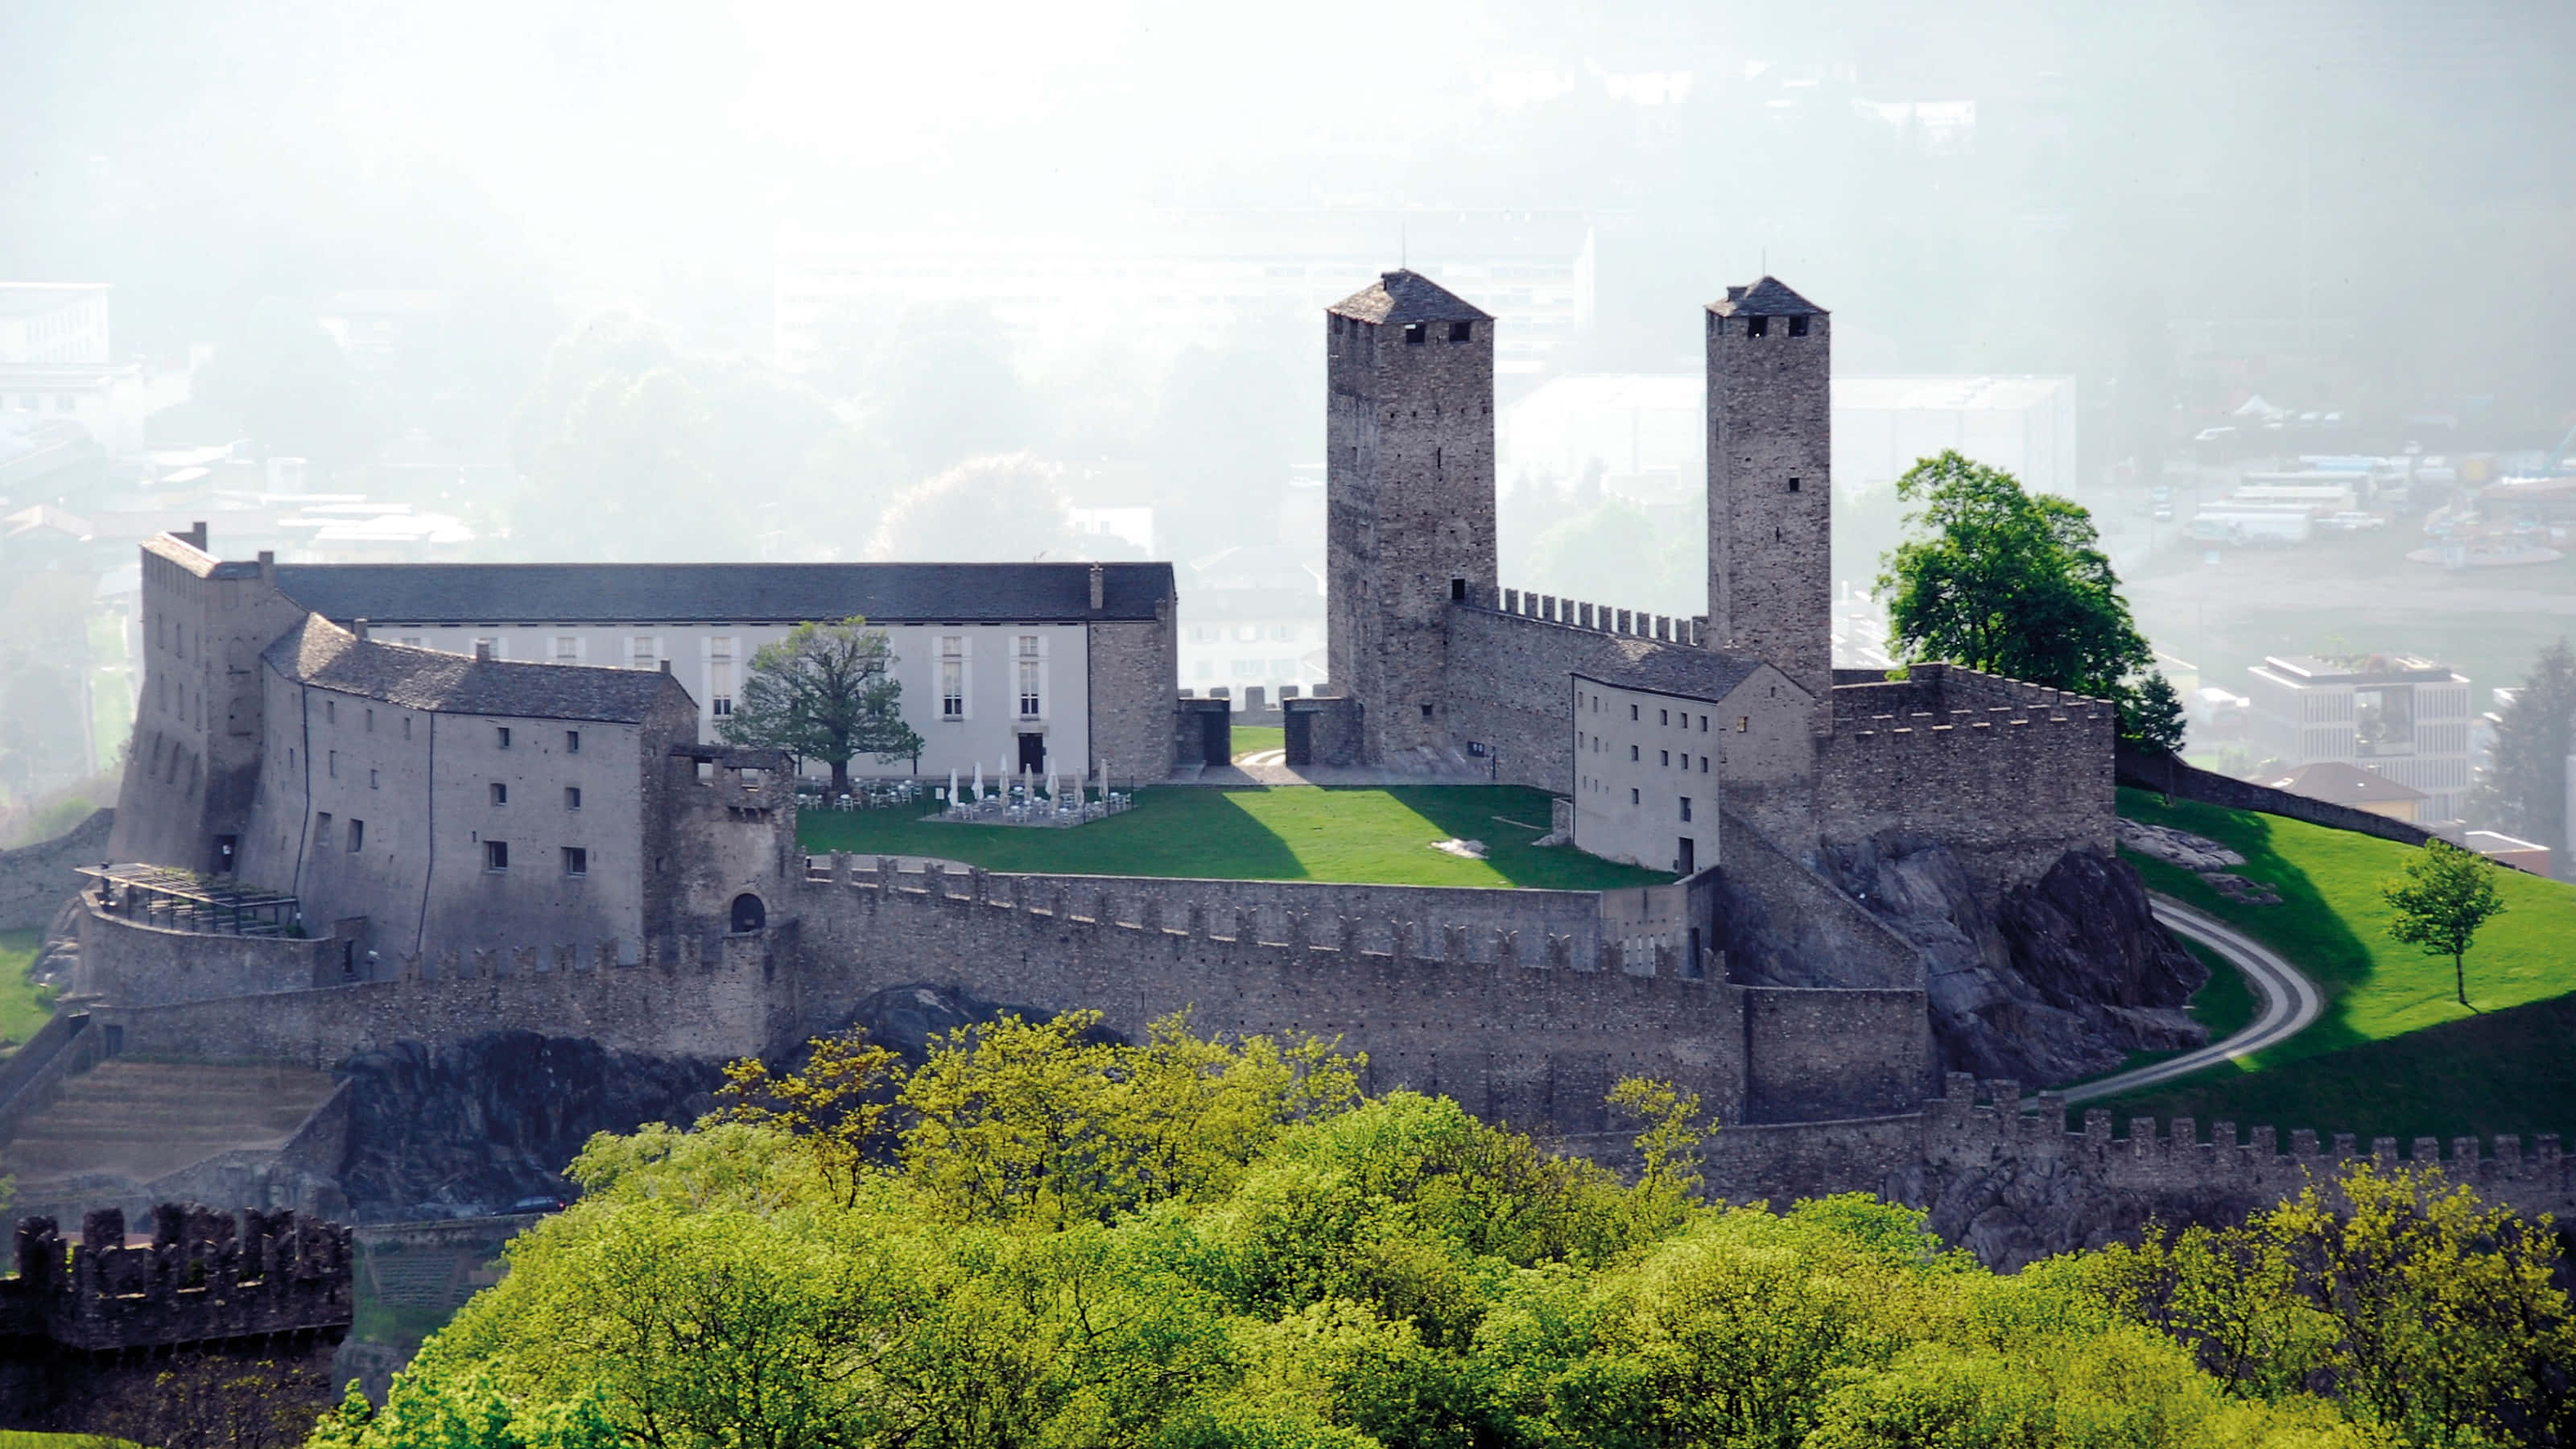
(2394, 1052)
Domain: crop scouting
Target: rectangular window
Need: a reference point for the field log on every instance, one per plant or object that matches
(1743, 722)
(1686, 807)
(1028, 689)
(572, 797)
(503, 736)
(1461, 331)
(576, 860)
(406, 726)
(371, 721)
(720, 687)
(1633, 798)
(1413, 334)
(330, 711)
(1703, 764)
(411, 641)
(1757, 326)
(1703, 724)
(357, 834)
(1632, 752)
(496, 855)
(1797, 326)
(374, 782)
(500, 793)
(952, 689)
(322, 831)
(334, 764)
(642, 653)
(572, 741)
(1668, 758)
(1632, 711)
(567, 649)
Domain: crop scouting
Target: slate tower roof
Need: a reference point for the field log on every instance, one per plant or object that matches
(1404, 296)
(321, 653)
(1766, 298)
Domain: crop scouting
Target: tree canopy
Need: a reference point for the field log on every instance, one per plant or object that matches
(2523, 791)
(2015, 583)
(824, 693)
(2440, 902)
(1044, 1236)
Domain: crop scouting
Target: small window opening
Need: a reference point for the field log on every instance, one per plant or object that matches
(572, 797)
(1636, 797)
(576, 861)
(1743, 722)
(1413, 334)
(1757, 326)
(1686, 807)
(357, 834)
(572, 742)
(1426, 711)
(496, 855)
(1797, 326)
(1461, 331)
(1632, 711)
(1793, 485)
(500, 793)
(502, 734)
(1458, 590)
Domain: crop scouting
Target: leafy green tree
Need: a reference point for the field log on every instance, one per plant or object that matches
(2523, 791)
(2016, 583)
(2446, 894)
(824, 693)
(835, 1107)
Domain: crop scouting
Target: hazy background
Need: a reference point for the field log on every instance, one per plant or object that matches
(657, 281)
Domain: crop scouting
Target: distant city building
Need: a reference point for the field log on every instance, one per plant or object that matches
(2337, 783)
(1253, 617)
(2401, 718)
(57, 368)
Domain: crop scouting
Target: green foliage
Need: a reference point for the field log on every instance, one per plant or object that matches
(2016, 583)
(824, 693)
(2438, 905)
(2423, 1311)
(1064, 1240)
(2523, 790)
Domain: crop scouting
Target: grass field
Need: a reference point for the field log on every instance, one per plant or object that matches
(2385, 1057)
(1301, 833)
(23, 1008)
(1251, 739)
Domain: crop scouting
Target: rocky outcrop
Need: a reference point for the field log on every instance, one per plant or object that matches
(473, 1126)
(2058, 979)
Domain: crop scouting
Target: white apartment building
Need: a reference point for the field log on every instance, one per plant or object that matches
(2399, 717)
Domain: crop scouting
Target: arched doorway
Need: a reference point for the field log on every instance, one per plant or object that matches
(749, 914)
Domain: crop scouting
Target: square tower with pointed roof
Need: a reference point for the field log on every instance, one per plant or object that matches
(1770, 489)
(1409, 494)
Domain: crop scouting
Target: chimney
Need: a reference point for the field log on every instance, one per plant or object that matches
(1098, 575)
(268, 567)
(666, 666)
(483, 649)
(358, 626)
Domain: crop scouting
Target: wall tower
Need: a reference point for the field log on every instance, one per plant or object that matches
(1770, 490)
(1409, 489)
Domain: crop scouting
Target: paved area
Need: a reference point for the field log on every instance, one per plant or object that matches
(2290, 1003)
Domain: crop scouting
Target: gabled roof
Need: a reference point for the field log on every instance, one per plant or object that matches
(1401, 297)
(885, 593)
(322, 654)
(2337, 783)
(1765, 298)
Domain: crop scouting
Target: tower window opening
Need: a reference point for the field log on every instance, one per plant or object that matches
(1461, 331)
(1757, 326)
(1458, 589)
(1413, 334)
(1797, 326)
(1426, 711)
(1793, 485)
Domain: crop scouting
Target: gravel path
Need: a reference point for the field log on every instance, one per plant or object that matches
(2290, 1002)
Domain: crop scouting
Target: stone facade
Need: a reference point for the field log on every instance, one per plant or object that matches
(1131, 672)
(1770, 489)
(1409, 497)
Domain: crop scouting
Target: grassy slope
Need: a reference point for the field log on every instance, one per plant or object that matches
(1302, 833)
(1249, 739)
(2394, 1054)
(22, 1009)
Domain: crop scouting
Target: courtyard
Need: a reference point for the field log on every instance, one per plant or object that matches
(1370, 836)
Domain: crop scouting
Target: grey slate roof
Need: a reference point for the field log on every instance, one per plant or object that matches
(1401, 297)
(1765, 298)
(1634, 663)
(326, 656)
(570, 593)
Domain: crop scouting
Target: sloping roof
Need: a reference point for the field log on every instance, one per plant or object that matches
(2337, 783)
(1765, 298)
(1407, 297)
(321, 653)
(1627, 662)
(711, 593)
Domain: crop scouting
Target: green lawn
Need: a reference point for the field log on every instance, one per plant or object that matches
(23, 1008)
(2394, 1052)
(1250, 739)
(1298, 833)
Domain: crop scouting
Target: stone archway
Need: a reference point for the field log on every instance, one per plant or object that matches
(749, 914)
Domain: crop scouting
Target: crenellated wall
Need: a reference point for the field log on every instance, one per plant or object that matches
(2009, 785)
(206, 1277)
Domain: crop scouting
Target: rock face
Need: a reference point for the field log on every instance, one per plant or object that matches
(474, 1126)
(2014, 1212)
(2059, 979)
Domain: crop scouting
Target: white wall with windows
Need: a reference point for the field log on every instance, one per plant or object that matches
(1646, 776)
(971, 691)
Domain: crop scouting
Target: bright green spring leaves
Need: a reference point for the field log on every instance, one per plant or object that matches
(1067, 1242)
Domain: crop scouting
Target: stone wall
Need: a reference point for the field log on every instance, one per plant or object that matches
(2166, 774)
(1133, 669)
(1508, 687)
(1781, 924)
(1770, 489)
(2010, 787)
(135, 963)
(1834, 1053)
(36, 879)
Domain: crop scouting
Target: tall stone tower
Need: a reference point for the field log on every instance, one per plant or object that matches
(1409, 489)
(1770, 490)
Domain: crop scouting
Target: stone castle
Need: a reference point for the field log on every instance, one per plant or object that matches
(474, 827)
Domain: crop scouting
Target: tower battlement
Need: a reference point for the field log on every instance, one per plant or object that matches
(206, 1277)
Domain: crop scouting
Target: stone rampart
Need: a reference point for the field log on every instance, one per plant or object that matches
(2166, 774)
(205, 1278)
(2009, 787)
(1846, 1053)
(135, 963)
(36, 879)
(1781, 924)
(1508, 686)
(1601, 618)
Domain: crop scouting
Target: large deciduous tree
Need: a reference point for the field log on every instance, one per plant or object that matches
(2524, 790)
(824, 693)
(2445, 895)
(2016, 583)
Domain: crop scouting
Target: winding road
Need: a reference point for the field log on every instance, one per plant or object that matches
(2290, 1002)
